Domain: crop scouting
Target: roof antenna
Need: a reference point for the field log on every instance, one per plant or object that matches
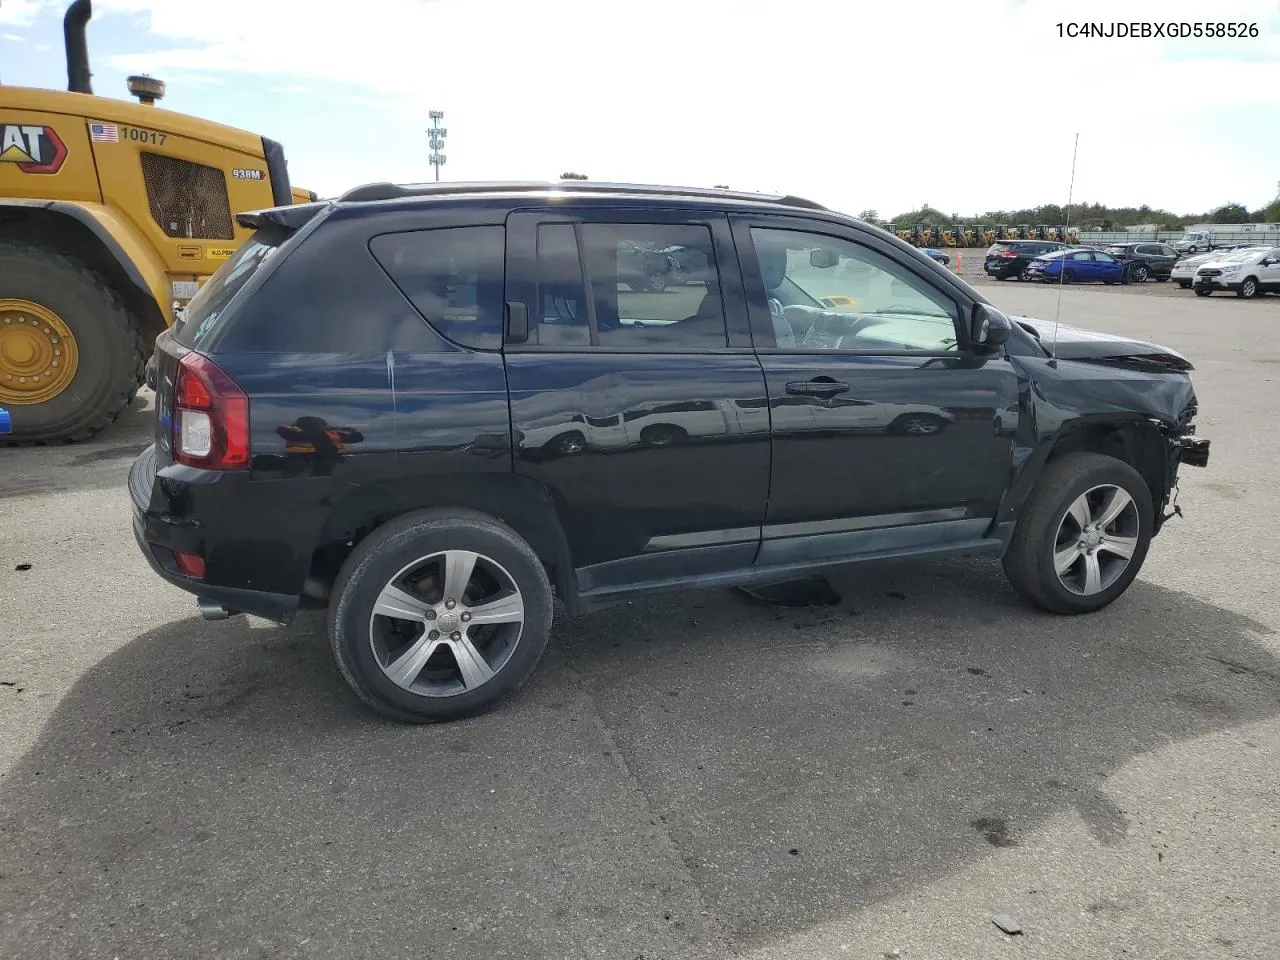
(1053, 350)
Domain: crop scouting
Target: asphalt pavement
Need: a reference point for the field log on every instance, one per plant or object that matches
(691, 777)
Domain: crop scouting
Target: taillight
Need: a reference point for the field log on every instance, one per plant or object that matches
(211, 423)
(1009, 253)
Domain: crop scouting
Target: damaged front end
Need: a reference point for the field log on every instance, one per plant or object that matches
(1128, 398)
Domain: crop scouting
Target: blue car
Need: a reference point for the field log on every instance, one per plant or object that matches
(1079, 265)
(938, 255)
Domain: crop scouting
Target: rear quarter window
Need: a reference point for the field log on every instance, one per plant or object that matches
(453, 276)
(200, 317)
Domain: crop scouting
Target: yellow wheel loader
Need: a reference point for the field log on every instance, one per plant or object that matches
(112, 213)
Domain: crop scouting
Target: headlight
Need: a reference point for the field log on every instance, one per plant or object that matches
(1226, 270)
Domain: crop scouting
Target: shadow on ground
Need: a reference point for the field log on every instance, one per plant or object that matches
(42, 471)
(682, 778)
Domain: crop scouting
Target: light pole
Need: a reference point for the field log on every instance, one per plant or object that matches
(435, 140)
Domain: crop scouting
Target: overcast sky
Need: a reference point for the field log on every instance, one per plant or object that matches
(962, 104)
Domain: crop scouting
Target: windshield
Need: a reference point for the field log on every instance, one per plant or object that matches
(207, 305)
(1243, 256)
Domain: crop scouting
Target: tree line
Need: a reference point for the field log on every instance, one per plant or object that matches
(1089, 216)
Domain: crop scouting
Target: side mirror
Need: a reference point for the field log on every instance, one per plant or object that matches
(989, 327)
(823, 258)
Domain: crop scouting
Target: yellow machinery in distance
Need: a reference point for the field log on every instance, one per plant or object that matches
(111, 213)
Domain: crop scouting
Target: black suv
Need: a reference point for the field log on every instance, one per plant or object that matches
(1009, 259)
(435, 409)
(1150, 260)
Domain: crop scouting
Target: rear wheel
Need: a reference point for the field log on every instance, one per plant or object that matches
(1248, 288)
(1185, 284)
(70, 352)
(439, 615)
(1082, 535)
(1141, 273)
(1068, 276)
(1203, 291)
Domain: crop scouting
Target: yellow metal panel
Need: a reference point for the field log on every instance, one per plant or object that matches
(130, 112)
(138, 252)
(44, 156)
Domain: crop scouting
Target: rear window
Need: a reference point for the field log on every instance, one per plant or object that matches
(453, 276)
(202, 312)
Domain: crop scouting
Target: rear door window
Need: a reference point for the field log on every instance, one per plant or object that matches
(453, 276)
(627, 286)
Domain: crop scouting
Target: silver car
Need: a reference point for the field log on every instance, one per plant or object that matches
(1184, 271)
(1248, 272)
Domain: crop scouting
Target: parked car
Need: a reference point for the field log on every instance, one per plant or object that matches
(1009, 259)
(1149, 260)
(1248, 272)
(1184, 271)
(1079, 266)
(935, 254)
(489, 435)
(642, 268)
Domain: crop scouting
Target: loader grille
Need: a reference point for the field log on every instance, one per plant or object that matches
(188, 200)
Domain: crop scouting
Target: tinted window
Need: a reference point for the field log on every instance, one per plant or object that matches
(654, 287)
(827, 293)
(453, 276)
(562, 299)
(1084, 255)
(202, 312)
(1104, 258)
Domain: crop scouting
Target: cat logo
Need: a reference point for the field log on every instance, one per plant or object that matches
(34, 149)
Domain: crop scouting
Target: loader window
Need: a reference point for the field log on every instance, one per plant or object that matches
(187, 200)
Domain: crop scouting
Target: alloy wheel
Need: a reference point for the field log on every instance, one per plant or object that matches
(1097, 538)
(446, 623)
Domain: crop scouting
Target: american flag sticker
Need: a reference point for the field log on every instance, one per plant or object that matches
(104, 133)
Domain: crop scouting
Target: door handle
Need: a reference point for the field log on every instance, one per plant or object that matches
(816, 388)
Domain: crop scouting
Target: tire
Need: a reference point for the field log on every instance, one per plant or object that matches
(388, 552)
(1203, 291)
(1141, 273)
(656, 281)
(1248, 288)
(108, 344)
(1068, 276)
(1029, 561)
(567, 444)
(1185, 284)
(1164, 279)
(663, 435)
(917, 425)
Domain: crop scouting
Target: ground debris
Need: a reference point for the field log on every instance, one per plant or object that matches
(1007, 924)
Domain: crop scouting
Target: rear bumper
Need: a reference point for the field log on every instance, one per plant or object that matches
(160, 535)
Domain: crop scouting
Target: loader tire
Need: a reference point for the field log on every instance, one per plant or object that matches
(78, 324)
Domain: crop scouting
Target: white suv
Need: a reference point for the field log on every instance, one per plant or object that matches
(1248, 272)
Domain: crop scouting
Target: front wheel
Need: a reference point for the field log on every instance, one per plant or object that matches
(1248, 288)
(439, 615)
(1083, 534)
(1185, 284)
(1203, 291)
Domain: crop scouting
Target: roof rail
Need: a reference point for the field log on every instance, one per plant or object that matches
(396, 191)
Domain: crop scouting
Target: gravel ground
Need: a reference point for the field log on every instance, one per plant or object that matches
(691, 777)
